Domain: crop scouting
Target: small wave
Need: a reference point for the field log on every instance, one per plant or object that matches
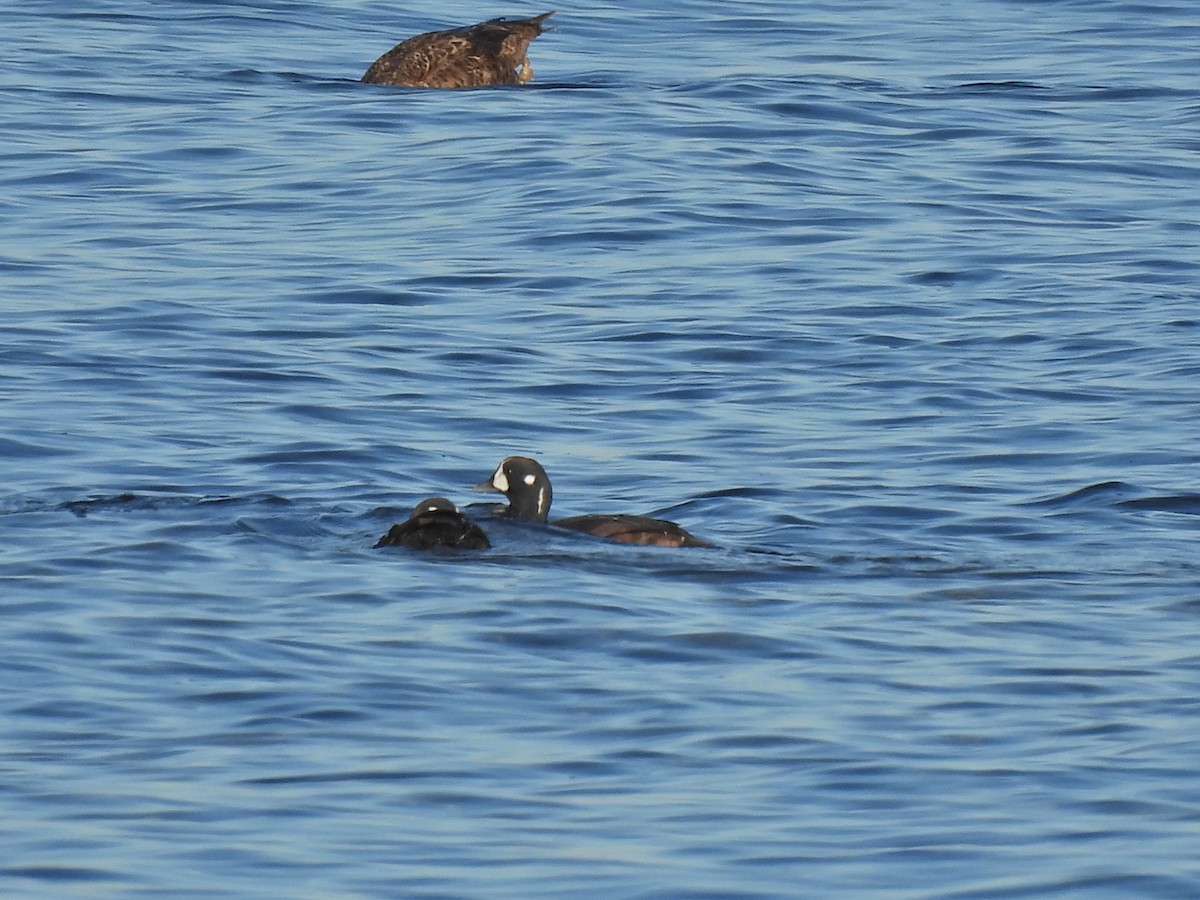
(132, 501)
(1119, 495)
(1187, 504)
(988, 86)
(1101, 494)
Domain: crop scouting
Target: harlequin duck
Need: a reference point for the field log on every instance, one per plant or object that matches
(436, 522)
(527, 487)
(492, 52)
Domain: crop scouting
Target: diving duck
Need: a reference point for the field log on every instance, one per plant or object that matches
(436, 522)
(492, 52)
(525, 483)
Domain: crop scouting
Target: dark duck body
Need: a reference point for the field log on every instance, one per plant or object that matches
(436, 522)
(492, 52)
(527, 487)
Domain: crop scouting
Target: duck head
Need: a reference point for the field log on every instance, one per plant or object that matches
(525, 483)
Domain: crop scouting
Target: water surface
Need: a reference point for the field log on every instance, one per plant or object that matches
(898, 307)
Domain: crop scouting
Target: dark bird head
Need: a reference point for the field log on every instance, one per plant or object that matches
(433, 504)
(525, 483)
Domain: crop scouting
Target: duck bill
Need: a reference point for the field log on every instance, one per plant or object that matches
(486, 487)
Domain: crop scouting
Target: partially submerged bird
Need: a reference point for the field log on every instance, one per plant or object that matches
(525, 483)
(492, 52)
(436, 522)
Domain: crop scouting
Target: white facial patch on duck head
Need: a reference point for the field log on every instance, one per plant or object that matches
(500, 481)
(530, 479)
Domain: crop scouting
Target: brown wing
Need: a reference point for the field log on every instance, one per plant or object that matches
(633, 530)
(438, 59)
(474, 56)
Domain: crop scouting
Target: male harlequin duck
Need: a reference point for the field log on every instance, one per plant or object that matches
(527, 487)
(436, 522)
(492, 52)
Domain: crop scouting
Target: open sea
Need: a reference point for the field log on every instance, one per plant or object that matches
(897, 304)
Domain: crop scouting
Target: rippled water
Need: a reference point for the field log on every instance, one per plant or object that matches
(897, 305)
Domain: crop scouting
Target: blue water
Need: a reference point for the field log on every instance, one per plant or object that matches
(897, 304)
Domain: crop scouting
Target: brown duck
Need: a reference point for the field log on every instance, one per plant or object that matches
(492, 52)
